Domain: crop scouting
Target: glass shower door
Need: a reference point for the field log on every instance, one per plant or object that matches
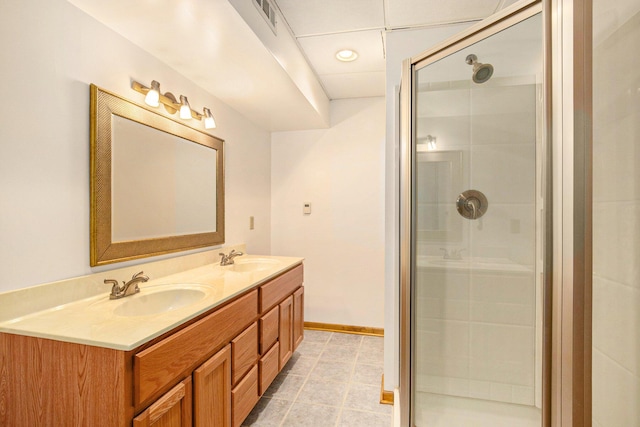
(476, 288)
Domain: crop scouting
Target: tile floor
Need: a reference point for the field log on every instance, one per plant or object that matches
(332, 379)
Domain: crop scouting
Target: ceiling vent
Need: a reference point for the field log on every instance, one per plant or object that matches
(268, 13)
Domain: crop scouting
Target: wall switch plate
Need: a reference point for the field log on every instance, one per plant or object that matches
(251, 223)
(306, 208)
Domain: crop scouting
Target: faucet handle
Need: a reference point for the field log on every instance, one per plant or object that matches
(111, 281)
(457, 253)
(115, 287)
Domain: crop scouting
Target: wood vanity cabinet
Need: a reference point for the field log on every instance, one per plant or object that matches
(209, 372)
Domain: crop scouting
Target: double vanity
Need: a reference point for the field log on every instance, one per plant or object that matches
(198, 345)
(191, 340)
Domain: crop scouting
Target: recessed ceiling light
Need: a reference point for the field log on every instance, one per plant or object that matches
(346, 55)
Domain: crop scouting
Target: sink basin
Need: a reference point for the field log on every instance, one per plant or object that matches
(161, 301)
(252, 264)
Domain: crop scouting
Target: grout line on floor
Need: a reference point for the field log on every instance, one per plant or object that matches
(304, 382)
(339, 404)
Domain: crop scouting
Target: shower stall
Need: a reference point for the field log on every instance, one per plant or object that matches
(473, 242)
(519, 298)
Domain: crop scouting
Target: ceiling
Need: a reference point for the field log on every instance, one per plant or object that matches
(322, 28)
(224, 49)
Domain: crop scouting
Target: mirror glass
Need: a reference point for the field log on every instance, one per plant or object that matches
(157, 184)
(440, 177)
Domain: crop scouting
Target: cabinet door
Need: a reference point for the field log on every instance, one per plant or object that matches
(171, 410)
(212, 391)
(298, 317)
(285, 331)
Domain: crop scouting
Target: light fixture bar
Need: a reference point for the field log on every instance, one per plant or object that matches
(172, 105)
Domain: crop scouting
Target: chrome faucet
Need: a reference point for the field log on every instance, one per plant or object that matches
(228, 259)
(127, 288)
(453, 254)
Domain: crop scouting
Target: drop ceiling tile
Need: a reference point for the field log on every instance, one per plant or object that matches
(507, 3)
(354, 85)
(321, 52)
(403, 13)
(309, 17)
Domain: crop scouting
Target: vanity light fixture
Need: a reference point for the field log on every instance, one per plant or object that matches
(432, 144)
(154, 97)
(209, 121)
(429, 142)
(346, 55)
(185, 108)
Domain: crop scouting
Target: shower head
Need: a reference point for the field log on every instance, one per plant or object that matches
(481, 72)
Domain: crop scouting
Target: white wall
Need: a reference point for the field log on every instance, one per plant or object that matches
(51, 52)
(616, 215)
(339, 170)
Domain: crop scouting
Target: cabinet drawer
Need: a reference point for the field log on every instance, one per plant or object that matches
(268, 329)
(244, 352)
(163, 363)
(276, 290)
(268, 368)
(244, 397)
(172, 409)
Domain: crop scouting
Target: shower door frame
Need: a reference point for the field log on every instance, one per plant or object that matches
(496, 23)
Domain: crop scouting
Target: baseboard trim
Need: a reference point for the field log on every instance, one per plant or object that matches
(386, 397)
(347, 329)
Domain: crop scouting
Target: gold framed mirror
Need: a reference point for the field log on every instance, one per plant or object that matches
(157, 185)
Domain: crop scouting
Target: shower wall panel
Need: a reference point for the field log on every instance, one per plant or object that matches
(616, 214)
(476, 337)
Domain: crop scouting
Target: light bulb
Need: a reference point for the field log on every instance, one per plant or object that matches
(346, 55)
(153, 96)
(185, 109)
(209, 121)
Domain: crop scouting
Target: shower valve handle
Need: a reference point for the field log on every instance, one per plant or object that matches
(472, 204)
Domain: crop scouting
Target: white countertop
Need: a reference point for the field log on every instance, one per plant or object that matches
(94, 320)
